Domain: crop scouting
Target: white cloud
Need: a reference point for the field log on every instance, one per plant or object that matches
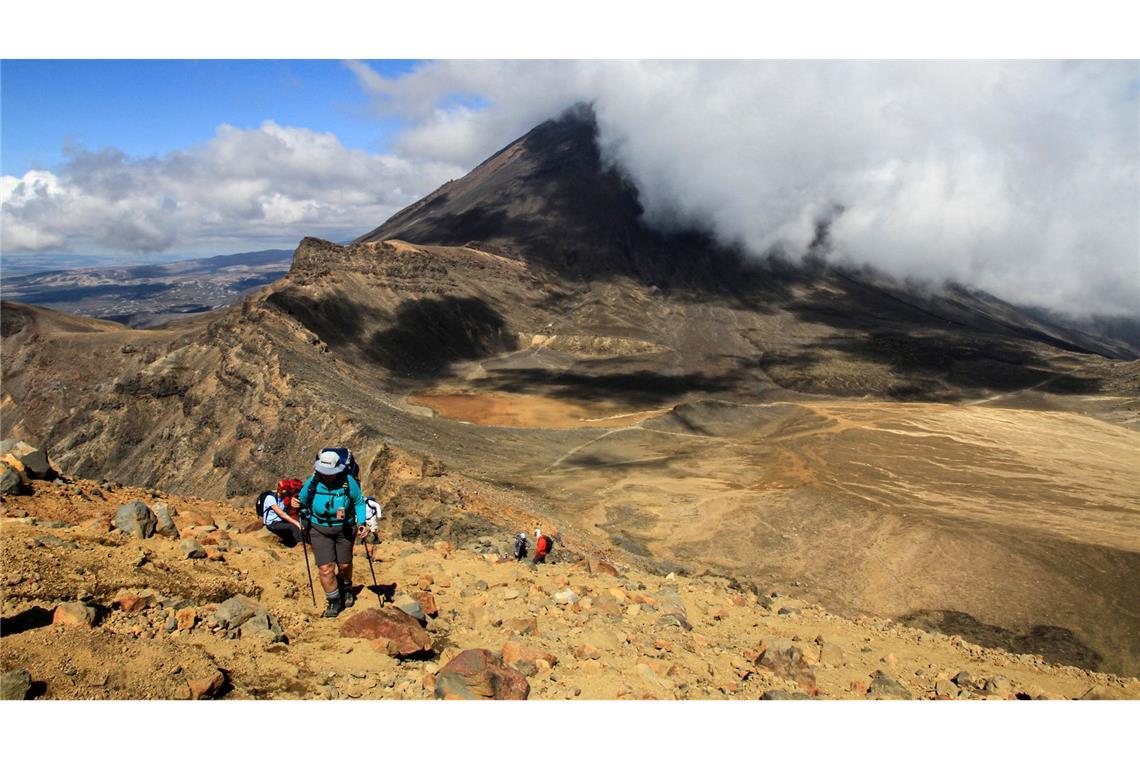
(273, 183)
(1022, 178)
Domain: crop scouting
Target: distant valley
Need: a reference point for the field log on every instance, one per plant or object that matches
(149, 294)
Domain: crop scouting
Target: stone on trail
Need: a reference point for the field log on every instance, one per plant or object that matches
(771, 695)
(236, 610)
(15, 684)
(515, 652)
(524, 626)
(410, 606)
(786, 661)
(389, 623)
(427, 603)
(587, 651)
(208, 687)
(166, 526)
(191, 549)
(74, 613)
(135, 518)
(186, 618)
(480, 674)
(999, 685)
(883, 686)
(262, 626)
(566, 596)
(944, 689)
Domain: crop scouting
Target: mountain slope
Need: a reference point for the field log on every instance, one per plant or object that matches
(930, 455)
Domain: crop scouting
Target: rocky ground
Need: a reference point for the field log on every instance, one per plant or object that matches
(211, 606)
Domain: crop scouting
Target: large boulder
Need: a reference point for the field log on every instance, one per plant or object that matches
(11, 480)
(32, 461)
(404, 631)
(480, 674)
(136, 519)
(786, 660)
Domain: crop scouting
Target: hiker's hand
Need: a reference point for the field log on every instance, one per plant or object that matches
(361, 531)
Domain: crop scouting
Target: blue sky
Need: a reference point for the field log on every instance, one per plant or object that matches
(146, 108)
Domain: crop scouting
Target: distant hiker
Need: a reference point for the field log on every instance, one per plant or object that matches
(542, 546)
(373, 513)
(337, 514)
(520, 546)
(280, 513)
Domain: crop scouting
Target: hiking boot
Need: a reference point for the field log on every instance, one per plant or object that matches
(336, 606)
(349, 598)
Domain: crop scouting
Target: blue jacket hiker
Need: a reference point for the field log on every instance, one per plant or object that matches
(335, 516)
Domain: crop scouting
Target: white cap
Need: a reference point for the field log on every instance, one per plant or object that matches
(537, 532)
(328, 463)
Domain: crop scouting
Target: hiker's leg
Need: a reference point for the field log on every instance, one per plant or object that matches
(328, 577)
(346, 573)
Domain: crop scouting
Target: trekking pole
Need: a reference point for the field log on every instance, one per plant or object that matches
(308, 572)
(375, 585)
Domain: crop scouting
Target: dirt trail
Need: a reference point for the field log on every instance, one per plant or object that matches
(613, 642)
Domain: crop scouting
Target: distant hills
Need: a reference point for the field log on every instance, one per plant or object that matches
(149, 294)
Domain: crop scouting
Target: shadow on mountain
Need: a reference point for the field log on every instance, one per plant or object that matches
(637, 388)
(335, 320)
(936, 363)
(1057, 645)
(430, 334)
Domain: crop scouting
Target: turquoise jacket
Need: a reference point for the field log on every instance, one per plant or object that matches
(323, 502)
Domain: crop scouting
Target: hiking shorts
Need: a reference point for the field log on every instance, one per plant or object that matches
(332, 544)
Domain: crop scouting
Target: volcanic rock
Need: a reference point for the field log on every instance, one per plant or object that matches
(165, 526)
(236, 610)
(208, 687)
(389, 623)
(525, 626)
(427, 603)
(515, 652)
(787, 661)
(136, 519)
(480, 674)
(883, 686)
(15, 684)
(11, 481)
(191, 549)
(74, 613)
(410, 606)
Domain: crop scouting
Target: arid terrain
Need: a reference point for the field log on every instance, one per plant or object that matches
(933, 456)
(579, 628)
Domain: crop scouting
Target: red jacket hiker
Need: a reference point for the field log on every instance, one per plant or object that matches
(542, 546)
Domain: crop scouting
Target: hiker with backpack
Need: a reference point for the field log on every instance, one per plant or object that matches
(520, 546)
(279, 512)
(373, 513)
(334, 515)
(542, 546)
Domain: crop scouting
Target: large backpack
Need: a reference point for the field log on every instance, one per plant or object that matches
(345, 457)
(260, 504)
